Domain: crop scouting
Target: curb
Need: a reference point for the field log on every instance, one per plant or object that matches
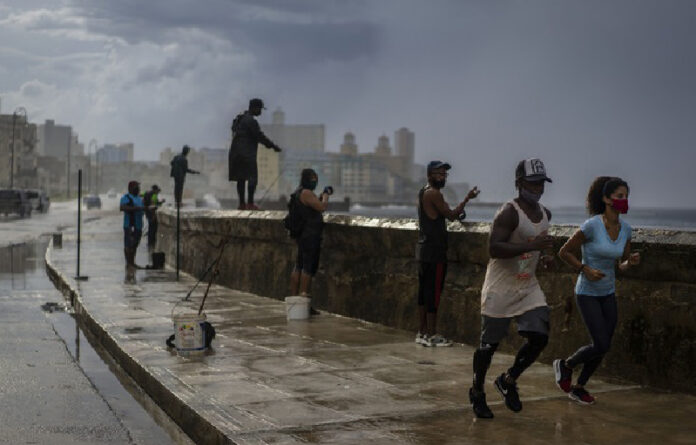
(199, 429)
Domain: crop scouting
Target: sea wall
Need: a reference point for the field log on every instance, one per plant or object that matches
(368, 271)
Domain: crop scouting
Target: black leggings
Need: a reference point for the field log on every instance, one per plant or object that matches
(251, 188)
(599, 315)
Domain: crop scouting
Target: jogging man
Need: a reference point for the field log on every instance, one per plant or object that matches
(431, 250)
(511, 290)
(246, 137)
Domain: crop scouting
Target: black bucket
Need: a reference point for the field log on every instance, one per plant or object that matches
(158, 260)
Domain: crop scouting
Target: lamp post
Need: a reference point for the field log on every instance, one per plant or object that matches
(23, 111)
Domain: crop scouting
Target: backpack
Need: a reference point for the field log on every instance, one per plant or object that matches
(294, 221)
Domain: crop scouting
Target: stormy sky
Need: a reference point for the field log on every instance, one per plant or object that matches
(593, 87)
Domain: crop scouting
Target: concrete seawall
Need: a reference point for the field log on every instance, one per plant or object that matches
(368, 271)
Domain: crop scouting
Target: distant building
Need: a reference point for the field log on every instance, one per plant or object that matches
(115, 153)
(19, 153)
(57, 141)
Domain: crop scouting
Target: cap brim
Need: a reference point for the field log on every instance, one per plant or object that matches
(536, 178)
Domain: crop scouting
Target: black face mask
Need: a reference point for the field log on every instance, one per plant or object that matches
(439, 184)
(135, 192)
(312, 185)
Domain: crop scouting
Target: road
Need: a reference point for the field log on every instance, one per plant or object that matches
(57, 387)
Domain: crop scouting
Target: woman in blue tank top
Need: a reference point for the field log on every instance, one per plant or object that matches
(603, 239)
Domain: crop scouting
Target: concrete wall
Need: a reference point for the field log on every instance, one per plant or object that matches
(368, 271)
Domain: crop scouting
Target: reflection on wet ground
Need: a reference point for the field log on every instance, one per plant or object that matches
(22, 274)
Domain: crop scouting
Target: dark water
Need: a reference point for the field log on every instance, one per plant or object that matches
(682, 219)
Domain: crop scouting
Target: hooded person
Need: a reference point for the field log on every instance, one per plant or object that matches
(246, 137)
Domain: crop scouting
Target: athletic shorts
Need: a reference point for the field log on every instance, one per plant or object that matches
(431, 280)
(308, 250)
(131, 238)
(493, 330)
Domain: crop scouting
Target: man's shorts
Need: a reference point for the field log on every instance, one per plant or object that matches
(131, 238)
(308, 250)
(493, 330)
(431, 280)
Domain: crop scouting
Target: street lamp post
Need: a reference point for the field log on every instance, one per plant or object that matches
(19, 110)
(93, 174)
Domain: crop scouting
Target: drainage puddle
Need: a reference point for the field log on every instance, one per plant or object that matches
(21, 269)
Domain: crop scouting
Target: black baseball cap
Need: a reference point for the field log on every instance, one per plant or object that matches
(432, 165)
(531, 170)
(156, 188)
(256, 103)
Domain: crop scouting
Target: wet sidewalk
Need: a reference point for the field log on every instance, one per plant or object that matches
(331, 379)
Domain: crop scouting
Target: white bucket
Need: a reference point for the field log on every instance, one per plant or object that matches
(297, 308)
(189, 337)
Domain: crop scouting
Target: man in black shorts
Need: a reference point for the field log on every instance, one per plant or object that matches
(431, 250)
(511, 290)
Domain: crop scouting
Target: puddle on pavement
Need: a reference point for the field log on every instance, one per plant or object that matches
(22, 268)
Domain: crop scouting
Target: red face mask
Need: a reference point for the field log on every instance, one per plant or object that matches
(620, 205)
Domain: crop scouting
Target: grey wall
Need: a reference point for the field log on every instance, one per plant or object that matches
(368, 271)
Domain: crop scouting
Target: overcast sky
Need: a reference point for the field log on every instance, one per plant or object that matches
(591, 87)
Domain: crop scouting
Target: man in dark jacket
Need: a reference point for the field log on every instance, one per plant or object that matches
(246, 136)
(178, 172)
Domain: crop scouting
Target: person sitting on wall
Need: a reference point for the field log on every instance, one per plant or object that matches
(311, 208)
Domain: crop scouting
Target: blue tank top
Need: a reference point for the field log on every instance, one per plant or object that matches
(600, 252)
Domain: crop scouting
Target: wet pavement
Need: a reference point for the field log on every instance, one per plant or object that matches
(331, 379)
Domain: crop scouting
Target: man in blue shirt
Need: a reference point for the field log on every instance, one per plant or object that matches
(133, 211)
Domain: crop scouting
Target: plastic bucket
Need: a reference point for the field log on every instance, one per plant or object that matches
(189, 337)
(297, 308)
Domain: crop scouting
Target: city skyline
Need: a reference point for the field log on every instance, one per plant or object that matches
(591, 87)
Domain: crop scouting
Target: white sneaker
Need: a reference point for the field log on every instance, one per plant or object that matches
(436, 340)
(421, 338)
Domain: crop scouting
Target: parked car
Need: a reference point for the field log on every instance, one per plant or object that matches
(15, 201)
(39, 200)
(92, 202)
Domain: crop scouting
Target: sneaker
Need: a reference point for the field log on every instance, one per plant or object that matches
(435, 341)
(564, 375)
(420, 339)
(509, 393)
(581, 396)
(241, 206)
(478, 403)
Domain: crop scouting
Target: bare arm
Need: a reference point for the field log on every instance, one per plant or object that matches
(310, 200)
(434, 205)
(499, 245)
(629, 259)
(567, 252)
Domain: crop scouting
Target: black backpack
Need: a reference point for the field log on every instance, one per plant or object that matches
(294, 222)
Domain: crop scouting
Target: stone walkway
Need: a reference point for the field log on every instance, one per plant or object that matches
(331, 379)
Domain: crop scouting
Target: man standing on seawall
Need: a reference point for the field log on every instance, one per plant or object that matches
(132, 207)
(431, 250)
(246, 136)
(511, 289)
(179, 169)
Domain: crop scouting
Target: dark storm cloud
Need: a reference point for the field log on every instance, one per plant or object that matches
(284, 34)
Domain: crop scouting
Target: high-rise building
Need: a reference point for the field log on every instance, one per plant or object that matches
(57, 141)
(405, 143)
(383, 149)
(115, 153)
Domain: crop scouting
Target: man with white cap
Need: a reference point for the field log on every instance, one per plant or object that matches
(511, 290)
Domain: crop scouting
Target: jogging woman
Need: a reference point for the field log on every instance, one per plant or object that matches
(604, 239)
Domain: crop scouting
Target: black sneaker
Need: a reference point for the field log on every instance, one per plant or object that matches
(509, 393)
(478, 403)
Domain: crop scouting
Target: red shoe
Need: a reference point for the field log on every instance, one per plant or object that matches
(564, 375)
(581, 396)
(241, 207)
(252, 207)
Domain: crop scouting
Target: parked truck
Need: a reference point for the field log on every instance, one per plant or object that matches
(15, 201)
